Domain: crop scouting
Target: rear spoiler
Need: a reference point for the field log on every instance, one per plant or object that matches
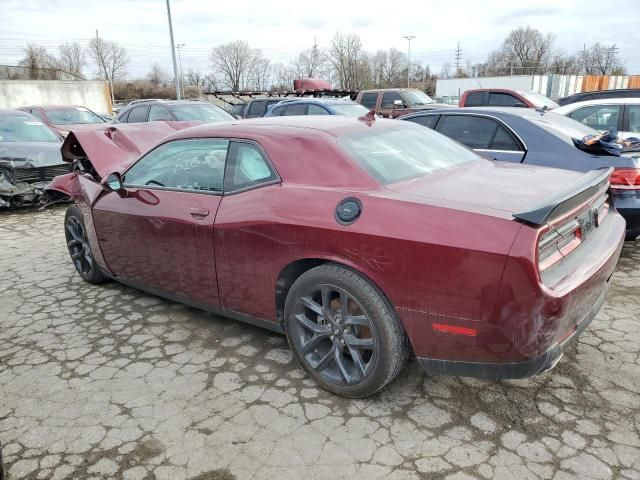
(567, 199)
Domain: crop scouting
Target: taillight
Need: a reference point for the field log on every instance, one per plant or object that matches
(625, 178)
(556, 244)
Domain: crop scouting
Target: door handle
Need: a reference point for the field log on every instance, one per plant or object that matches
(199, 212)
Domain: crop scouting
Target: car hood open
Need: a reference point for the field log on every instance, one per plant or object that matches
(112, 148)
(502, 186)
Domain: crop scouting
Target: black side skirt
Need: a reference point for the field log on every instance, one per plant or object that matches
(257, 322)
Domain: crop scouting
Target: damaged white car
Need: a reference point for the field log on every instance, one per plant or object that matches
(29, 158)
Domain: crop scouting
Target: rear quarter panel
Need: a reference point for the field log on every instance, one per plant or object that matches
(432, 262)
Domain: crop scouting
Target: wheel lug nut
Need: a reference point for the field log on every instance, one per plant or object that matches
(332, 337)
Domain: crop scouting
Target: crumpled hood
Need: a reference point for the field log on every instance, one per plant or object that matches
(505, 186)
(111, 148)
(30, 154)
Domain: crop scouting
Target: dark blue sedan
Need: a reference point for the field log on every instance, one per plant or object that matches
(539, 138)
(317, 106)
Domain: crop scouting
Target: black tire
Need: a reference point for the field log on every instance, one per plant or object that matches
(79, 248)
(353, 355)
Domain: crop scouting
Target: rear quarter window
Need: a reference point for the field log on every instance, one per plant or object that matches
(474, 99)
(403, 152)
(369, 100)
(428, 121)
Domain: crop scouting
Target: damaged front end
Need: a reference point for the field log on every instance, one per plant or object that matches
(23, 181)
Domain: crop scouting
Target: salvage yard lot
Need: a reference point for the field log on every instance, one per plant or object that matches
(109, 382)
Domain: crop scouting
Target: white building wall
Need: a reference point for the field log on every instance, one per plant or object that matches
(91, 94)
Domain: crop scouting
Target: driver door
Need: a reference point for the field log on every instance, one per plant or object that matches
(159, 234)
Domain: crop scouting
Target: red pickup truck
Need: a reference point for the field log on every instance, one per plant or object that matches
(502, 97)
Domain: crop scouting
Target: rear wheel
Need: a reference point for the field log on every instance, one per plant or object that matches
(79, 248)
(343, 331)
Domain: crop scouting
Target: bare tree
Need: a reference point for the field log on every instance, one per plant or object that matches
(562, 64)
(193, 77)
(282, 76)
(527, 50)
(111, 58)
(259, 72)
(209, 82)
(157, 75)
(524, 51)
(599, 59)
(72, 58)
(394, 68)
(233, 60)
(343, 55)
(39, 63)
(309, 63)
(445, 70)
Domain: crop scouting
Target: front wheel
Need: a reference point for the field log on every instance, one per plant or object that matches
(79, 248)
(343, 331)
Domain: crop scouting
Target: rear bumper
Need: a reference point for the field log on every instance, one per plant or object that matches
(627, 203)
(545, 361)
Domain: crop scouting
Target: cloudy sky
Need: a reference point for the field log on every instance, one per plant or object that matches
(283, 28)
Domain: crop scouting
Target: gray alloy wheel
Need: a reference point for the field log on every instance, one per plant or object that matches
(343, 331)
(79, 248)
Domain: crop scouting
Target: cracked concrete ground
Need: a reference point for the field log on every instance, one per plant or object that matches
(109, 382)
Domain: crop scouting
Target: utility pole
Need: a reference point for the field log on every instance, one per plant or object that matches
(173, 53)
(458, 57)
(179, 46)
(409, 38)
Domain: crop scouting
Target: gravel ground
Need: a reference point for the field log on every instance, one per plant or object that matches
(108, 382)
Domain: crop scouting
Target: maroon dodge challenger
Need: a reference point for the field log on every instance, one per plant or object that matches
(361, 239)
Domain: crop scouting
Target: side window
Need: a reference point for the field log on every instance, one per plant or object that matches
(388, 99)
(503, 100)
(475, 99)
(369, 100)
(158, 113)
(192, 165)
(474, 132)
(247, 167)
(600, 117)
(123, 117)
(633, 111)
(425, 120)
(297, 109)
(257, 108)
(138, 114)
(37, 113)
(277, 111)
(237, 109)
(504, 140)
(316, 110)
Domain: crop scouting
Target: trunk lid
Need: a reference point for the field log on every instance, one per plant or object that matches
(500, 186)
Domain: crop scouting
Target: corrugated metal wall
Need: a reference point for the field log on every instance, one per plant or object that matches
(553, 86)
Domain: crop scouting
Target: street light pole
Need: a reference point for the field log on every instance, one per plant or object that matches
(173, 53)
(180, 46)
(409, 38)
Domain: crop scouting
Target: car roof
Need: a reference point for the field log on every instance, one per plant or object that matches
(323, 101)
(334, 125)
(56, 107)
(501, 111)
(14, 113)
(388, 90)
(600, 101)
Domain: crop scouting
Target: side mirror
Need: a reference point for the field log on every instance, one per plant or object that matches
(520, 105)
(114, 182)
(399, 104)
